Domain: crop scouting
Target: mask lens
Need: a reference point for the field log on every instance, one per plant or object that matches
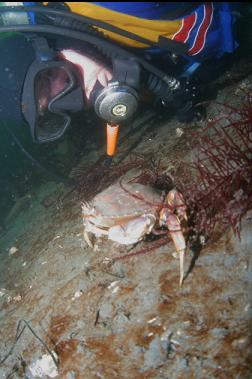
(51, 84)
(50, 126)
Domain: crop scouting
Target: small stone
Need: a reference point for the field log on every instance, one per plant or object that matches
(13, 250)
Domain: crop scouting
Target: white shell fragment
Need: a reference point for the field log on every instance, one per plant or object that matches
(114, 287)
(113, 284)
(43, 367)
(152, 320)
(77, 295)
(13, 250)
(17, 298)
(179, 132)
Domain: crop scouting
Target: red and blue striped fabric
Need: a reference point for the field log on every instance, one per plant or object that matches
(195, 28)
(208, 31)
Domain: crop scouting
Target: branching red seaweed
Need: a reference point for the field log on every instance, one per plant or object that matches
(222, 190)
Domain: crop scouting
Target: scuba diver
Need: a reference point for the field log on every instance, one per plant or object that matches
(61, 58)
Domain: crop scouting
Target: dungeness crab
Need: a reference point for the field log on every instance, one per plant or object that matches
(126, 213)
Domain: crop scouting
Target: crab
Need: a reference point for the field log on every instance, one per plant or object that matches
(126, 213)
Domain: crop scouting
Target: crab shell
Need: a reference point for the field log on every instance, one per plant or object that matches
(124, 217)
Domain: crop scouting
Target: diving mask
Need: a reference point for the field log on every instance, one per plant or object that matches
(51, 92)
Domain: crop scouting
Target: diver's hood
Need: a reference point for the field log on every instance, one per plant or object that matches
(13, 67)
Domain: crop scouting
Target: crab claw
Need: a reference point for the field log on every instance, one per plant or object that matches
(173, 224)
(176, 201)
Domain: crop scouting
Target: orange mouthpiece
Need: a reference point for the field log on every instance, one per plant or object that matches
(112, 138)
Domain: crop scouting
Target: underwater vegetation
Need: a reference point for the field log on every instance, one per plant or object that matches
(221, 189)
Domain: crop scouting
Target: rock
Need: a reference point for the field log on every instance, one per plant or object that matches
(71, 375)
(106, 310)
(120, 323)
(155, 355)
(219, 332)
(230, 261)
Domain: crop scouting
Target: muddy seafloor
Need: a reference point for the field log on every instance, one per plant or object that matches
(129, 319)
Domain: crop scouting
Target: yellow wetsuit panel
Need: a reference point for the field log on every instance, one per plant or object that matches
(149, 29)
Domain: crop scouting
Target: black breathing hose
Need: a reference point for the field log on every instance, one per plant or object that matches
(99, 42)
(181, 48)
(172, 83)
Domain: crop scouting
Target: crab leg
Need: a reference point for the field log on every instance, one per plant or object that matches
(87, 239)
(85, 208)
(176, 202)
(173, 225)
